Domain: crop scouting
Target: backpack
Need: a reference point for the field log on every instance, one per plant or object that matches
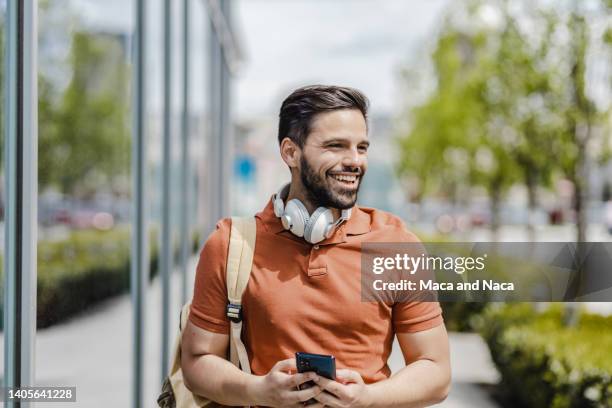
(174, 393)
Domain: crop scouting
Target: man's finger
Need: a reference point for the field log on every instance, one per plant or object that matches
(331, 386)
(316, 404)
(285, 365)
(328, 400)
(308, 393)
(348, 376)
(296, 380)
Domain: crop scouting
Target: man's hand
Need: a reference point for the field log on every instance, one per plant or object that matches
(348, 390)
(279, 388)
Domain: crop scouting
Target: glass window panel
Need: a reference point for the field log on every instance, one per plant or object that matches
(84, 310)
(199, 114)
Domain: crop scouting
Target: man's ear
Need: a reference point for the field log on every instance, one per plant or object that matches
(290, 152)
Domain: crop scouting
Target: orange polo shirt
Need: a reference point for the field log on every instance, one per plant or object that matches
(304, 297)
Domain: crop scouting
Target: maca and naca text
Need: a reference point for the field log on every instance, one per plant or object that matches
(412, 265)
(431, 285)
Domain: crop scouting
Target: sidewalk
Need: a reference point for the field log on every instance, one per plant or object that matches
(93, 353)
(471, 366)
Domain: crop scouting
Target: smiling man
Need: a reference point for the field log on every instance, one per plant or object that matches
(304, 293)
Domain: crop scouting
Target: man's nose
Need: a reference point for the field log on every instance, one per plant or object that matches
(352, 158)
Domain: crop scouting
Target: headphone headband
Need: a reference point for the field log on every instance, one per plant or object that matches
(277, 200)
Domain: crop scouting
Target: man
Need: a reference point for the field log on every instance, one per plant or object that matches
(305, 296)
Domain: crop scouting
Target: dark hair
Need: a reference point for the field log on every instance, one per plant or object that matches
(299, 109)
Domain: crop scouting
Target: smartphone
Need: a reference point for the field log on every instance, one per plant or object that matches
(322, 364)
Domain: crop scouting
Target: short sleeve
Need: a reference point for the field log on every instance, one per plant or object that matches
(415, 316)
(410, 317)
(208, 306)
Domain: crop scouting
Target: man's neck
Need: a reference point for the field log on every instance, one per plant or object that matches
(300, 194)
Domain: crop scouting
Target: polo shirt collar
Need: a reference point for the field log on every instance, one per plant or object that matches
(270, 221)
(357, 224)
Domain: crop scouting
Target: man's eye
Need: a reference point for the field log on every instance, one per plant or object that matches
(363, 148)
(335, 145)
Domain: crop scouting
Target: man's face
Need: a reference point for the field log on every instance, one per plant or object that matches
(334, 158)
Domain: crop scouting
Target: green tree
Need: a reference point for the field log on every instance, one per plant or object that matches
(584, 120)
(84, 142)
(523, 84)
(511, 101)
(454, 137)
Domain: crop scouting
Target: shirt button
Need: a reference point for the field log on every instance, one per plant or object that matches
(316, 247)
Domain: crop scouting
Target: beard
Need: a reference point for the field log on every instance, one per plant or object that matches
(324, 194)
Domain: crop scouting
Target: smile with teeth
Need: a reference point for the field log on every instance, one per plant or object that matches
(345, 178)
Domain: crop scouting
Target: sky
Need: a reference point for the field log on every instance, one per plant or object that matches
(360, 43)
(354, 43)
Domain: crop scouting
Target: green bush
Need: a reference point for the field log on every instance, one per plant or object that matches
(462, 316)
(543, 363)
(466, 315)
(86, 268)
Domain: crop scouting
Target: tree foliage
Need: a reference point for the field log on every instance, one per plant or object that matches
(509, 101)
(84, 135)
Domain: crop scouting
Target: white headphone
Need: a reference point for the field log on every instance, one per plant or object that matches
(295, 218)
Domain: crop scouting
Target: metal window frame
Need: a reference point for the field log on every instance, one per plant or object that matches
(165, 238)
(185, 230)
(224, 59)
(139, 269)
(21, 167)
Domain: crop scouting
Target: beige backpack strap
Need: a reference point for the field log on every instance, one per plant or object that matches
(239, 264)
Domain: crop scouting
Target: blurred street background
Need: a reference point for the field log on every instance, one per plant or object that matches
(490, 121)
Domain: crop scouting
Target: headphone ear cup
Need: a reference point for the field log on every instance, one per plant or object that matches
(316, 228)
(295, 217)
